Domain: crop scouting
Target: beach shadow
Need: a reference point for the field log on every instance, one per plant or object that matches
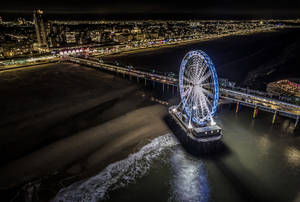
(247, 191)
(61, 129)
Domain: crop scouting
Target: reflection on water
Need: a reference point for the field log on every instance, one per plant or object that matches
(293, 156)
(188, 178)
(264, 144)
(288, 126)
(188, 175)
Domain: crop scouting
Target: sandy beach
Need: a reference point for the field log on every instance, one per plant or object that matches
(69, 121)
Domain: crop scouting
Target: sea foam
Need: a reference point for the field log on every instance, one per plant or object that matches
(118, 174)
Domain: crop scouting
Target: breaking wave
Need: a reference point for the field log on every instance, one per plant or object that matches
(118, 174)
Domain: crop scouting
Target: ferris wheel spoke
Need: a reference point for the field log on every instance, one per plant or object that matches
(198, 68)
(187, 91)
(205, 77)
(207, 92)
(190, 68)
(207, 101)
(201, 104)
(203, 98)
(187, 79)
(204, 68)
(208, 104)
(186, 86)
(207, 86)
(190, 75)
(187, 95)
(198, 109)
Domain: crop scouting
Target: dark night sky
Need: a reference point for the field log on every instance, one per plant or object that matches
(254, 8)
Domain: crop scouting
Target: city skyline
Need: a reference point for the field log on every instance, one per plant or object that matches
(139, 9)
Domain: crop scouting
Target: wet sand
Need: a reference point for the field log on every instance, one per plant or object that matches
(91, 148)
(65, 121)
(36, 101)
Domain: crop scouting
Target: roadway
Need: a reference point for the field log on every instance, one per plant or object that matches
(29, 63)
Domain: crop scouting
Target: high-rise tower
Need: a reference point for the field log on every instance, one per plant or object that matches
(40, 29)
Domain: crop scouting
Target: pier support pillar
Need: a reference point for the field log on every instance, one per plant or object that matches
(237, 107)
(137, 79)
(255, 112)
(130, 77)
(163, 86)
(297, 120)
(123, 74)
(172, 90)
(145, 82)
(274, 117)
(153, 84)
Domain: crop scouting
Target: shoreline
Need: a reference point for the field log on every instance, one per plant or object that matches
(86, 153)
(183, 43)
(120, 134)
(68, 113)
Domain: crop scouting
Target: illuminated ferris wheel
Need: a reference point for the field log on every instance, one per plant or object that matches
(198, 85)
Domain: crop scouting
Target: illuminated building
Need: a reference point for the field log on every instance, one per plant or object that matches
(42, 44)
(284, 87)
(71, 37)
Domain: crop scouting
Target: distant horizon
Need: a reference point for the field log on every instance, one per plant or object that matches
(10, 16)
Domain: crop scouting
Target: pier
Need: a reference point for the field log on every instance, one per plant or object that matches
(247, 97)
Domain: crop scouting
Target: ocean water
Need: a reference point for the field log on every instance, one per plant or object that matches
(261, 163)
